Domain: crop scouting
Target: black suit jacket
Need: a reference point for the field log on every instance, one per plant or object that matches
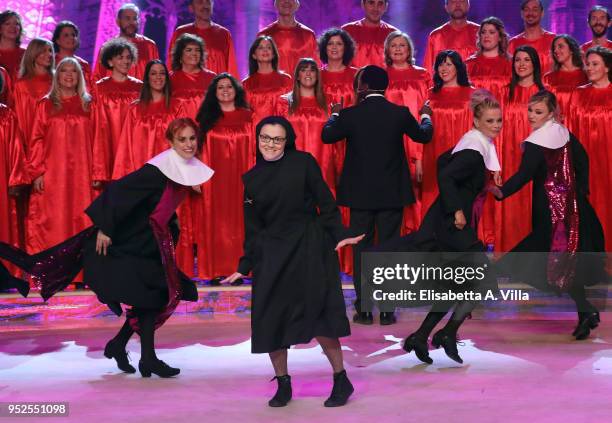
(375, 173)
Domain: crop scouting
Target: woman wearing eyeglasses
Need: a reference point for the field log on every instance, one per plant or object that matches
(292, 225)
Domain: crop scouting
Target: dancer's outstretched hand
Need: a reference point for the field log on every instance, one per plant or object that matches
(460, 221)
(497, 193)
(497, 178)
(349, 241)
(38, 185)
(102, 243)
(231, 278)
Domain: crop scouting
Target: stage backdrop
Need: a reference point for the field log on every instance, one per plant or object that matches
(244, 18)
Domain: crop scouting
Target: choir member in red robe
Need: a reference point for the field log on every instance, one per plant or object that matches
(144, 127)
(292, 39)
(66, 42)
(512, 226)
(34, 82)
(13, 174)
(457, 34)
(128, 21)
(599, 22)
(6, 93)
(490, 68)
(59, 160)
(227, 129)
(449, 99)
(221, 56)
(190, 79)
(591, 114)
(534, 35)
(11, 31)
(370, 33)
(336, 52)
(408, 86)
(113, 96)
(306, 109)
(266, 83)
(567, 74)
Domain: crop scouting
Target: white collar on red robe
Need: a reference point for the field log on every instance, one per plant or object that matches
(476, 140)
(551, 135)
(190, 172)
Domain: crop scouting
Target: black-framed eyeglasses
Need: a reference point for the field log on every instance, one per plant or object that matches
(265, 139)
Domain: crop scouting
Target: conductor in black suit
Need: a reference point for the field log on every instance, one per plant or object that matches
(375, 182)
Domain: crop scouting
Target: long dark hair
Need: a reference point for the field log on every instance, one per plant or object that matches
(5, 16)
(574, 49)
(349, 45)
(275, 120)
(455, 58)
(181, 44)
(58, 31)
(537, 69)
(253, 66)
(210, 112)
(146, 96)
(295, 97)
(502, 47)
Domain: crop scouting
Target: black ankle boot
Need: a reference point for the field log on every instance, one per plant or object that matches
(587, 321)
(419, 345)
(342, 390)
(116, 351)
(283, 392)
(449, 343)
(158, 367)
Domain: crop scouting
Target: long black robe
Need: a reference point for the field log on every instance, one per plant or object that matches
(289, 246)
(461, 180)
(132, 272)
(532, 268)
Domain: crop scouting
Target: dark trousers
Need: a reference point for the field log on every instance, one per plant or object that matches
(386, 223)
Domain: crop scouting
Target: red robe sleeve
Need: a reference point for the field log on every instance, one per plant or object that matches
(36, 142)
(6, 95)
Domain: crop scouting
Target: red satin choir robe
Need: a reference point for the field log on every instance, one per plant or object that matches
(563, 84)
(586, 46)
(337, 87)
(11, 61)
(591, 116)
(446, 37)
(263, 92)
(370, 42)
(409, 87)
(60, 149)
(143, 135)
(26, 94)
(12, 173)
(220, 53)
(492, 74)
(113, 99)
(147, 51)
(84, 65)
(513, 217)
(542, 46)
(189, 90)
(307, 121)
(6, 95)
(451, 119)
(229, 149)
(293, 43)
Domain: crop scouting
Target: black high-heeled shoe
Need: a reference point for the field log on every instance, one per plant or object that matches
(342, 390)
(588, 322)
(157, 367)
(449, 343)
(419, 346)
(112, 350)
(283, 392)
